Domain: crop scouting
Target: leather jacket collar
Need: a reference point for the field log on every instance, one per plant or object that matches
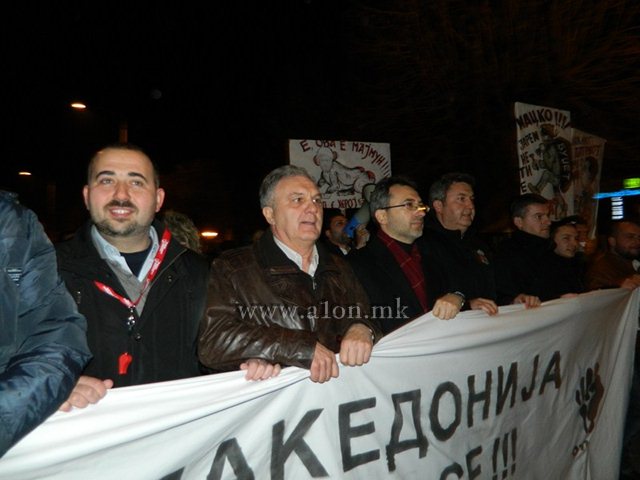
(273, 259)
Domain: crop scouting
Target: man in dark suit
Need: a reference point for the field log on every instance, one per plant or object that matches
(390, 267)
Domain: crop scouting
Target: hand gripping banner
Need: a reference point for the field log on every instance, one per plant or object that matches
(526, 394)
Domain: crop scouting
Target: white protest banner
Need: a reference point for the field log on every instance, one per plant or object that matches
(587, 154)
(544, 153)
(346, 171)
(526, 394)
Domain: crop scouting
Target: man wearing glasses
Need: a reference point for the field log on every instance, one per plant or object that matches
(391, 267)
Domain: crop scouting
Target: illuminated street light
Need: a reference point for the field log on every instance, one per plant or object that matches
(123, 128)
(208, 234)
(24, 174)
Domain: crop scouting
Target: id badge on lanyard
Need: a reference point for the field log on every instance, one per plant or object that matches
(125, 358)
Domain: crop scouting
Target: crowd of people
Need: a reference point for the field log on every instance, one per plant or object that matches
(141, 305)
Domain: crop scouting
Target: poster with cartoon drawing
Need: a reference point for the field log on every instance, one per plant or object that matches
(544, 153)
(587, 154)
(345, 171)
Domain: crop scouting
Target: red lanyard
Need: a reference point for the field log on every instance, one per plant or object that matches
(125, 359)
(155, 266)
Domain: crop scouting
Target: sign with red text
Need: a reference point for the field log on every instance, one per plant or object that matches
(525, 394)
(345, 171)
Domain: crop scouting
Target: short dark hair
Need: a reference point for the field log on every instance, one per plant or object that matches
(380, 195)
(616, 224)
(439, 188)
(575, 219)
(269, 183)
(329, 214)
(572, 220)
(122, 146)
(520, 204)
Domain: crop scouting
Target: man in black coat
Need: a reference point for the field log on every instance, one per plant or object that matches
(564, 269)
(142, 292)
(391, 268)
(452, 247)
(520, 259)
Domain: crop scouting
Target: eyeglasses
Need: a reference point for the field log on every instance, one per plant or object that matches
(410, 205)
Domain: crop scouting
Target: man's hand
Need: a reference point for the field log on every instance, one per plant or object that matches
(361, 236)
(259, 369)
(529, 301)
(324, 365)
(447, 306)
(484, 304)
(356, 346)
(87, 390)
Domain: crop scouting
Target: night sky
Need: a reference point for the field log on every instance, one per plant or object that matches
(213, 91)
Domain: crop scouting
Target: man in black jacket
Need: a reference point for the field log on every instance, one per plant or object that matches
(564, 269)
(391, 268)
(452, 247)
(520, 259)
(143, 293)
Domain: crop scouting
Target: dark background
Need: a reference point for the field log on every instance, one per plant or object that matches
(213, 91)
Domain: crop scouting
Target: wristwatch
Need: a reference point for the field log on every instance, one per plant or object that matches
(462, 297)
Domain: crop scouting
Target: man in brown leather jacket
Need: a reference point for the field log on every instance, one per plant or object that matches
(616, 268)
(286, 300)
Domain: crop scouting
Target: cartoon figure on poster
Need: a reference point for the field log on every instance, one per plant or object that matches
(337, 178)
(552, 160)
(345, 172)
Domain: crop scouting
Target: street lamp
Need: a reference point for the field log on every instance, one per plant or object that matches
(123, 129)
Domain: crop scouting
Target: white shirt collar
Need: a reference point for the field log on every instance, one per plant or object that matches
(109, 252)
(296, 258)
